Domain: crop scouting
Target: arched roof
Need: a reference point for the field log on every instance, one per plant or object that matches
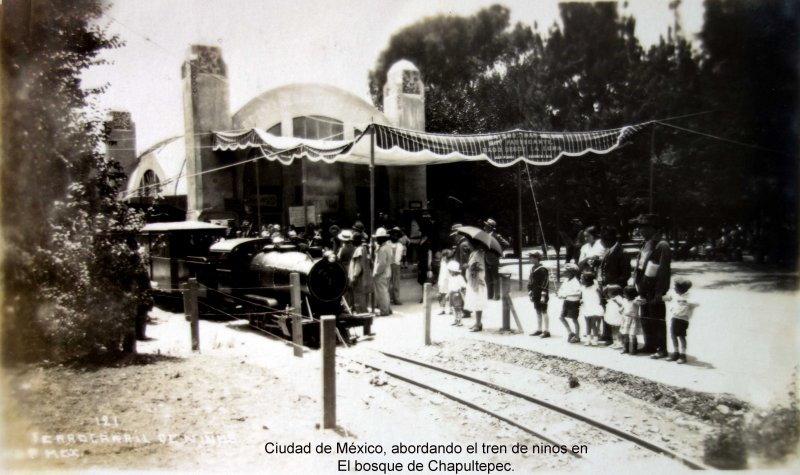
(284, 103)
(167, 159)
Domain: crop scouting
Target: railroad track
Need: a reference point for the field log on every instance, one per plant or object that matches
(550, 439)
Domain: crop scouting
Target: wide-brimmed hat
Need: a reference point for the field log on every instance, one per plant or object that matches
(652, 220)
(454, 228)
(491, 223)
(346, 235)
(381, 233)
(453, 266)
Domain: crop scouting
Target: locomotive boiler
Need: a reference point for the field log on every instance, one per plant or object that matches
(250, 278)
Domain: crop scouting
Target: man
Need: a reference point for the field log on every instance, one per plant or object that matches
(461, 252)
(614, 269)
(382, 271)
(493, 261)
(397, 261)
(538, 283)
(651, 276)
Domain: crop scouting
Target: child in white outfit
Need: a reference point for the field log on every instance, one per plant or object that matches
(591, 308)
(631, 322)
(681, 308)
(570, 291)
(613, 313)
(441, 282)
(456, 286)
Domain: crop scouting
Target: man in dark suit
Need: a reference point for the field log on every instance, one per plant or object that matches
(651, 276)
(493, 260)
(614, 268)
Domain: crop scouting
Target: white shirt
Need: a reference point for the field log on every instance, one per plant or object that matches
(399, 250)
(590, 302)
(570, 290)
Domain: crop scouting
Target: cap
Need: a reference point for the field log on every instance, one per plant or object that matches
(491, 223)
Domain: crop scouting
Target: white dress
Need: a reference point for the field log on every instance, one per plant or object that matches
(477, 295)
(590, 302)
(444, 277)
(613, 315)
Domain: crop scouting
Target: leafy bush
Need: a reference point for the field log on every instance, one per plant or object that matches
(775, 434)
(726, 448)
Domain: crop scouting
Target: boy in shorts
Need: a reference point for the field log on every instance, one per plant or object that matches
(681, 307)
(570, 291)
(538, 292)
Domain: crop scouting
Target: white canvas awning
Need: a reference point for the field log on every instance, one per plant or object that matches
(402, 147)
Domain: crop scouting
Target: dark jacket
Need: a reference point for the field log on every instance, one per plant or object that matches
(615, 267)
(652, 273)
(538, 282)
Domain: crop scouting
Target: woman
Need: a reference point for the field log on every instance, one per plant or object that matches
(360, 274)
(477, 295)
(591, 251)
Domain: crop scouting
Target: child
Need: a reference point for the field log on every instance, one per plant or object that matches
(570, 291)
(613, 313)
(457, 286)
(591, 308)
(441, 283)
(537, 291)
(631, 322)
(680, 310)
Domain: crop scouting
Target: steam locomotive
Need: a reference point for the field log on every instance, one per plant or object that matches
(249, 277)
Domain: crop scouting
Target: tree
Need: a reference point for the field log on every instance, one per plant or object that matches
(750, 71)
(68, 271)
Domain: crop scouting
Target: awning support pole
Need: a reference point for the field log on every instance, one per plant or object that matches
(519, 222)
(305, 205)
(372, 180)
(258, 201)
(558, 226)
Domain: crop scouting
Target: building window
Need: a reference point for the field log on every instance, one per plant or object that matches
(149, 185)
(318, 128)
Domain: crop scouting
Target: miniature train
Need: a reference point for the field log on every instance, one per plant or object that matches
(248, 278)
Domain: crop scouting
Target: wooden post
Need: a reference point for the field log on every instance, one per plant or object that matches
(328, 337)
(427, 297)
(195, 314)
(297, 311)
(187, 303)
(505, 283)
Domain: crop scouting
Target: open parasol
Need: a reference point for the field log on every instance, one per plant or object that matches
(482, 237)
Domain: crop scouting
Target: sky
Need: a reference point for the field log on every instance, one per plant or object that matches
(270, 43)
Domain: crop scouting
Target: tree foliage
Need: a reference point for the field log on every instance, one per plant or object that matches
(69, 275)
(591, 72)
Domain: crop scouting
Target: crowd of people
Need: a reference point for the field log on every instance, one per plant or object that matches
(618, 304)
